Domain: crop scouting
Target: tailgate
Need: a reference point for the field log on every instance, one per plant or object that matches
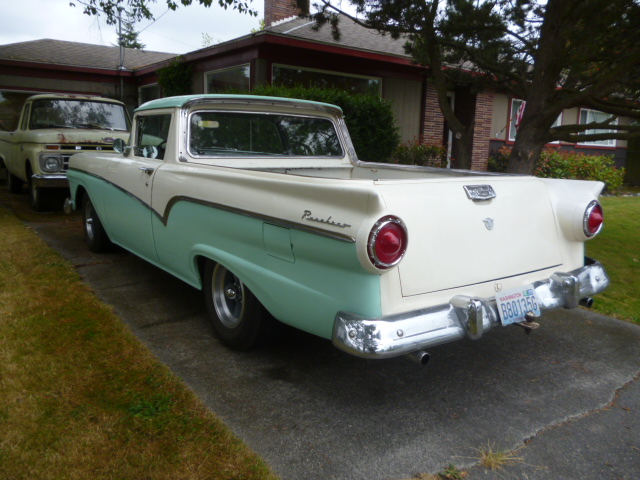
(455, 241)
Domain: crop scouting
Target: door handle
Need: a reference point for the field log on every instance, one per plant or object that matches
(147, 170)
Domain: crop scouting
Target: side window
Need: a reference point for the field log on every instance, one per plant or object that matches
(152, 132)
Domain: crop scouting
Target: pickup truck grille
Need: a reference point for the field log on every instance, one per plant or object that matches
(68, 150)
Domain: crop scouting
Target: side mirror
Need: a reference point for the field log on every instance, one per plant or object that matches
(121, 147)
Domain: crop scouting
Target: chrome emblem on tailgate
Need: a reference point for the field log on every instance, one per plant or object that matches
(479, 192)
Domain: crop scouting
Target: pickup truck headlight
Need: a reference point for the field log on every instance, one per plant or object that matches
(51, 163)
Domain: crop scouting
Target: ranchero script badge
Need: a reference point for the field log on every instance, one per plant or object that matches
(479, 192)
(307, 215)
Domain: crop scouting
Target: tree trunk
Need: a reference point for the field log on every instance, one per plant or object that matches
(526, 150)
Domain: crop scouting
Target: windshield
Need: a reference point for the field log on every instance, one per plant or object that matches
(234, 133)
(78, 114)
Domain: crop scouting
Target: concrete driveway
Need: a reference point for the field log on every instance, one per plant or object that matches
(566, 397)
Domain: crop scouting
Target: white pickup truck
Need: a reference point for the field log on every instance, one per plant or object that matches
(263, 204)
(52, 127)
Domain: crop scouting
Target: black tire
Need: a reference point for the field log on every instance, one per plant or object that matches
(39, 197)
(14, 183)
(94, 233)
(238, 318)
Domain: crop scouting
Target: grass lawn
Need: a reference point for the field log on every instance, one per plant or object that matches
(81, 397)
(618, 249)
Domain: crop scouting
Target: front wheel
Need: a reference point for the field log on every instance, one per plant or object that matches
(15, 183)
(39, 197)
(94, 233)
(238, 318)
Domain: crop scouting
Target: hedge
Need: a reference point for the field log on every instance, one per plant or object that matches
(369, 118)
(554, 163)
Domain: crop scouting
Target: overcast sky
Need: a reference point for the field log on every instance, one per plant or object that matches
(172, 32)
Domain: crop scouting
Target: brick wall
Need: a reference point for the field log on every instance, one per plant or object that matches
(275, 10)
(433, 122)
(482, 131)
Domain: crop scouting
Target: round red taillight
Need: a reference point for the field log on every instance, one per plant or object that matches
(387, 242)
(593, 219)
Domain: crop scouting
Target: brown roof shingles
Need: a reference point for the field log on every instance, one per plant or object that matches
(73, 54)
(352, 35)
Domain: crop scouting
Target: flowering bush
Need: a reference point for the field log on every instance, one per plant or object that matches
(427, 154)
(554, 163)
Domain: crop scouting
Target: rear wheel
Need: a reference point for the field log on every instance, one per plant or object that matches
(238, 318)
(94, 233)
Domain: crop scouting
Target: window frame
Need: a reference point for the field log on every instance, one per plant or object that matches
(219, 70)
(611, 143)
(225, 155)
(511, 137)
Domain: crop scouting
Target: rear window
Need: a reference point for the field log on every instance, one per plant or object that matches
(255, 134)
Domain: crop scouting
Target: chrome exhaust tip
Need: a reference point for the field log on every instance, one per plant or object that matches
(420, 357)
(586, 302)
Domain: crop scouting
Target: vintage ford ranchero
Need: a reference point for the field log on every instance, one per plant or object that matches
(263, 204)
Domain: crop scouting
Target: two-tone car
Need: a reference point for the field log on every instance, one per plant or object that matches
(264, 205)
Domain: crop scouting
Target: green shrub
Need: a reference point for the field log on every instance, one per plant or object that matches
(175, 78)
(578, 166)
(425, 154)
(499, 160)
(370, 119)
(554, 163)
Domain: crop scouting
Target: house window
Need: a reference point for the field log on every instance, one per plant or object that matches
(234, 78)
(517, 110)
(292, 76)
(147, 93)
(594, 116)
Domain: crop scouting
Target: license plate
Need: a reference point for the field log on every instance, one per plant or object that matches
(514, 304)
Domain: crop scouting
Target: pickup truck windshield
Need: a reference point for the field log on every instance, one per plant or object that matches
(78, 114)
(233, 133)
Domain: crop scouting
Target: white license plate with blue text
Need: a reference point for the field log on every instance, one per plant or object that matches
(514, 304)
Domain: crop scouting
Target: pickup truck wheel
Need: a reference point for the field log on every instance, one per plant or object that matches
(39, 197)
(238, 318)
(94, 233)
(15, 184)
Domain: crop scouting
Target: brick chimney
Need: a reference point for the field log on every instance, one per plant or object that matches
(275, 10)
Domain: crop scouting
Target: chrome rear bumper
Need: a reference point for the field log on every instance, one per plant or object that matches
(462, 317)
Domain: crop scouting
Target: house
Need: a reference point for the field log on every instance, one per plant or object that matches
(289, 51)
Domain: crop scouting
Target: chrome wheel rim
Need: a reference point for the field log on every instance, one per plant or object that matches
(88, 220)
(228, 296)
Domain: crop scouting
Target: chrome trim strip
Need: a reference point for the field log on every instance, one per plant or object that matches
(164, 218)
(258, 216)
(462, 316)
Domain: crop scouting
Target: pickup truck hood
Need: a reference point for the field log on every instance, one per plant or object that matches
(455, 241)
(75, 135)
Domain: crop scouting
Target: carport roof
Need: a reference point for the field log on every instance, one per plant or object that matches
(73, 54)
